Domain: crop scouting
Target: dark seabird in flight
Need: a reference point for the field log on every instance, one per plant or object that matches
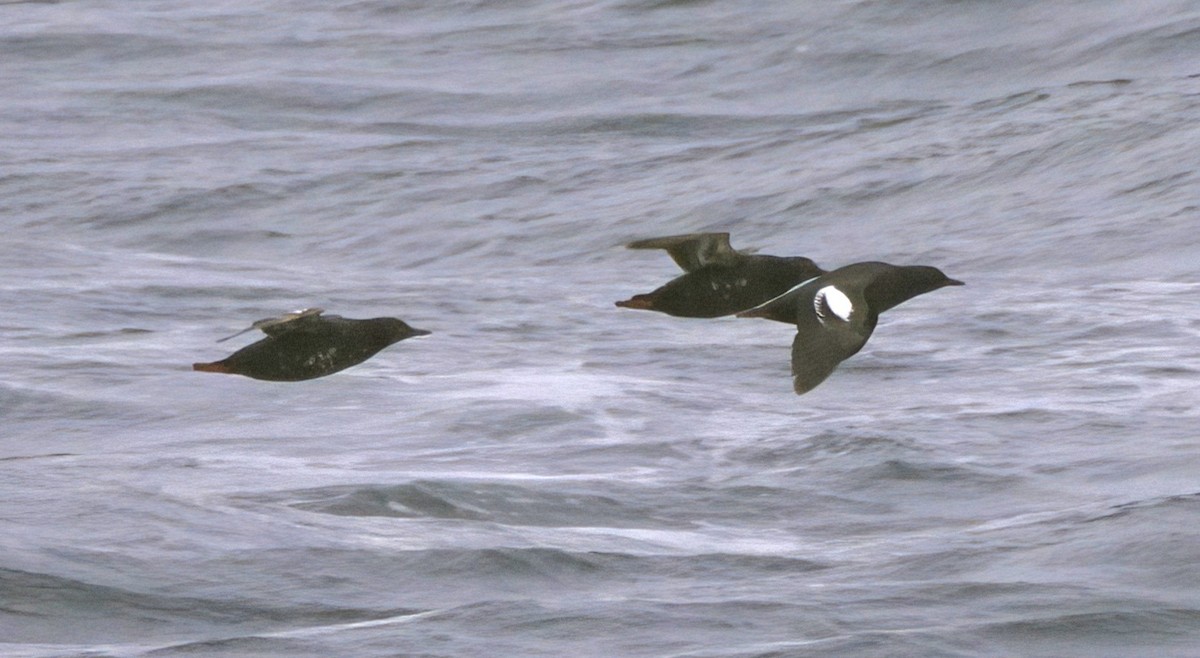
(306, 345)
(718, 279)
(836, 312)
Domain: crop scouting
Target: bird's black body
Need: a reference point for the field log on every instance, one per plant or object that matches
(718, 280)
(307, 345)
(836, 313)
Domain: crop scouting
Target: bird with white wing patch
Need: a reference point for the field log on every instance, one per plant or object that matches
(836, 312)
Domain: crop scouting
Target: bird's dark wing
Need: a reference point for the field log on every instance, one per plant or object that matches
(694, 250)
(302, 320)
(824, 339)
(283, 323)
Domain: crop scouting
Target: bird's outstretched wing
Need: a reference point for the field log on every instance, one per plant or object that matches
(826, 336)
(280, 324)
(693, 250)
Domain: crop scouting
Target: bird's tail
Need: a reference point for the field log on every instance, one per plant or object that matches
(215, 366)
(641, 302)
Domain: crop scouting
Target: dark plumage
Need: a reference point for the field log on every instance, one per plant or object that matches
(718, 280)
(306, 345)
(836, 312)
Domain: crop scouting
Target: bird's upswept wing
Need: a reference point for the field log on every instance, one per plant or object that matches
(693, 250)
(282, 323)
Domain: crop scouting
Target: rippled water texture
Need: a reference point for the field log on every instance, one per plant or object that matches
(1007, 469)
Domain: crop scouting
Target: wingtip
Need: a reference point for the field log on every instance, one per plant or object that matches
(222, 340)
(645, 243)
(803, 382)
(800, 388)
(215, 366)
(668, 241)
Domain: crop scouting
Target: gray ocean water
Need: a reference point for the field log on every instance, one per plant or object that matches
(1011, 468)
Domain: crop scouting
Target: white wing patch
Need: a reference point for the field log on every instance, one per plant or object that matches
(835, 300)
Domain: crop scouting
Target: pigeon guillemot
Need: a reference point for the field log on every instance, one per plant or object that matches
(306, 345)
(718, 279)
(835, 313)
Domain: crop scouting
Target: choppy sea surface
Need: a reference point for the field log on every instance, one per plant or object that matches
(1011, 468)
